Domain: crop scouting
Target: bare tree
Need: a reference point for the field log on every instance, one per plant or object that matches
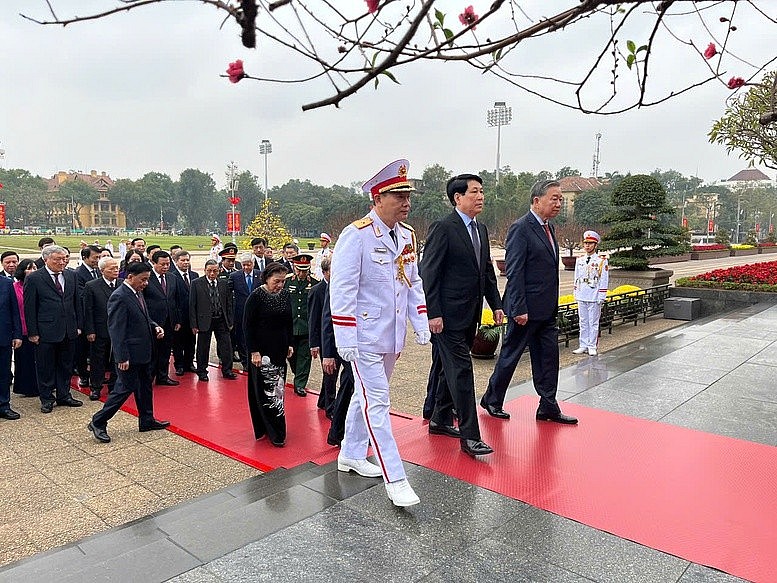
(353, 48)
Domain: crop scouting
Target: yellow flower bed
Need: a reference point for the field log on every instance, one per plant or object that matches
(612, 294)
(742, 246)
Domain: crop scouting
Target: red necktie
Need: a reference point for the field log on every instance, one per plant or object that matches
(550, 237)
(164, 283)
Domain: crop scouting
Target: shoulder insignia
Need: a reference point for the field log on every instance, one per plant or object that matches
(363, 222)
(408, 227)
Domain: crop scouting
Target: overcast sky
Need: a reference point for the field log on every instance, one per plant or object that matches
(141, 92)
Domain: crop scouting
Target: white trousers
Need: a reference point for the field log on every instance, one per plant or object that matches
(588, 314)
(368, 422)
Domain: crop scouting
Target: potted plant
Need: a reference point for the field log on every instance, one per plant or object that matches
(487, 336)
(569, 259)
(569, 236)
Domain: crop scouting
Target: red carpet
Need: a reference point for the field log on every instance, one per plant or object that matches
(703, 497)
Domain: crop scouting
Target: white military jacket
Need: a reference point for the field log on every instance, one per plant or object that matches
(592, 276)
(375, 288)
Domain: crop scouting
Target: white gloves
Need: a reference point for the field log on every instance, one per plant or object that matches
(423, 337)
(348, 354)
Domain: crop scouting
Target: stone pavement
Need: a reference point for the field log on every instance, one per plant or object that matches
(316, 524)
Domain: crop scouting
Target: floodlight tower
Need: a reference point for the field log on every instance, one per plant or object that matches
(500, 115)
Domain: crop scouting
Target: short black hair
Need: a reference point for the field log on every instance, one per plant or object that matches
(137, 268)
(174, 247)
(21, 269)
(459, 184)
(87, 251)
(43, 241)
(271, 269)
(8, 254)
(258, 241)
(157, 255)
(136, 239)
(132, 252)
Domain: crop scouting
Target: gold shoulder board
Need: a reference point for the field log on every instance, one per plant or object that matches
(363, 222)
(408, 227)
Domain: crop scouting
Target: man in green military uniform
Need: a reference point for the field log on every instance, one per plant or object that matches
(298, 285)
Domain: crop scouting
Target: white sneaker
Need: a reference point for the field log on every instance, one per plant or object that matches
(592, 352)
(361, 467)
(581, 350)
(401, 494)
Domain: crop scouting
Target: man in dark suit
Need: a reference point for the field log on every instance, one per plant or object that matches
(164, 307)
(132, 334)
(457, 273)
(96, 294)
(257, 246)
(42, 242)
(318, 293)
(10, 338)
(183, 338)
(52, 311)
(211, 312)
(531, 304)
(87, 271)
(289, 250)
(9, 259)
(243, 282)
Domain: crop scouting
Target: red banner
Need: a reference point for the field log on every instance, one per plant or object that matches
(771, 228)
(711, 226)
(2, 215)
(233, 222)
(758, 227)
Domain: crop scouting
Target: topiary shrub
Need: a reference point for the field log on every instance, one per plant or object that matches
(636, 231)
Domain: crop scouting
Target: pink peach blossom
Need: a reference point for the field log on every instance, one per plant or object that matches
(235, 71)
(735, 82)
(711, 51)
(468, 17)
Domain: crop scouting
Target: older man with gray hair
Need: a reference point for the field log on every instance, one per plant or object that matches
(52, 311)
(243, 282)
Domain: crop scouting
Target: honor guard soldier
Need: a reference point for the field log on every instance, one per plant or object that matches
(591, 281)
(375, 289)
(298, 285)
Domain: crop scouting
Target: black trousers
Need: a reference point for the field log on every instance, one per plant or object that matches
(100, 360)
(219, 329)
(162, 349)
(456, 382)
(541, 336)
(82, 357)
(5, 377)
(54, 367)
(183, 347)
(135, 380)
(433, 383)
(342, 401)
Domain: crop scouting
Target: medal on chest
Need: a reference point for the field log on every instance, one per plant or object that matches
(407, 256)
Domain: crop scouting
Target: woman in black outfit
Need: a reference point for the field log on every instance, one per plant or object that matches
(268, 335)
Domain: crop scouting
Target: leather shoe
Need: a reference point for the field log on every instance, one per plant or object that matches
(330, 440)
(440, 429)
(168, 382)
(558, 418)
(9, 414)
(300, 392)
(47, 407)
(155, 425)
(497, 412)
(230, 375)
(100, 434)
(203, 377)
(475, 447)
(70, 402)
(94, 395)
(83, 383)
(179, 372)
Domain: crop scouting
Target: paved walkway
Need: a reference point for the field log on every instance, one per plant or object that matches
(316, 524)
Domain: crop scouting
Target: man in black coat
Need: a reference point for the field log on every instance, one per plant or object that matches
(457, 273)
(164, 307)
(96, 294)
(132, 334)
(211, 312)
(316, 297)
(87, 271)
(52, 311)
(183, 339)
(531, 304)
(243, 282)
(10, 339)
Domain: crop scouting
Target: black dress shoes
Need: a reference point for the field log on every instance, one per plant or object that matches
(155, 425)
(83, 383)
(47, 407)
(440, 429)
(190, 368)
(497, 412)
(300, 392)
(179, 372)
(558, 418)
(167, 382)
(100, 434)
(9, 414)
(94, 394)
(203, 377)
(230, 375)
(475, 447)
(69, 402)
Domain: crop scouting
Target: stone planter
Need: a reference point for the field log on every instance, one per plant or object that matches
(501, 265)
(717, 254)
(743, 252)
(569, 262)
(768, 249)
(311, 246)
(718, 301)
(483, 348)
(669, 259)
(642, 279)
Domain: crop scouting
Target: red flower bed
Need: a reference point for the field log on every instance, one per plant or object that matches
(766, 244)
(756, 273)
(709, 247)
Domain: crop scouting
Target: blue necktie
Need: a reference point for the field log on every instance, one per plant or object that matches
(249, 282)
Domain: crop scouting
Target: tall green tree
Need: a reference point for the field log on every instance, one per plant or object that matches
(159, 199)
(28, 202)
(199, 203)
(566, 172)
(593, 206)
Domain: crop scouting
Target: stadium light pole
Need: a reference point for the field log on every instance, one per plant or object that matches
(265, 147)
(500, 115)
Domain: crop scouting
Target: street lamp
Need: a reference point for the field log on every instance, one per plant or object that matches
(265, 147)
(500, 115)
(232, 184)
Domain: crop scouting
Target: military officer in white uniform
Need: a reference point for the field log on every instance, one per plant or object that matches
(325, 251)
(374, 289)
(592, 277)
